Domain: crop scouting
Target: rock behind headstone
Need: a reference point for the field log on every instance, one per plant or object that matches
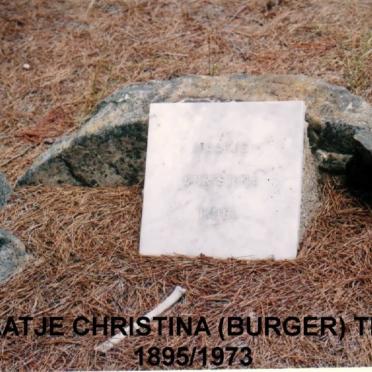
(110, 148)
(5, 190)
(12, 255)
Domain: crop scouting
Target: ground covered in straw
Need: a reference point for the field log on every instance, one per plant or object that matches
(57, 60)
(87, 262)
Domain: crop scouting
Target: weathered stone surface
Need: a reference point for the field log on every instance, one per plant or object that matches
(5, 190)
(12, 255)
(110, 147)
(310, 201)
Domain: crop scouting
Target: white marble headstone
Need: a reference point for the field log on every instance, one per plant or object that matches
(223, 179)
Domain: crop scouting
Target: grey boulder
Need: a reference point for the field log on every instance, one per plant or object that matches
(12, 255)
(5, 190)
(110, 148)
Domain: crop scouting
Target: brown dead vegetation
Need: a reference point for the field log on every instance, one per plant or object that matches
(77, 55)
(84, 241)
(86, 261)
(55, 123)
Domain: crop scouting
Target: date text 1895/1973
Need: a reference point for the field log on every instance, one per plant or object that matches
(188, 357)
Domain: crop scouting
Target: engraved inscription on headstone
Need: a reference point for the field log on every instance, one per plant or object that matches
(223, 179)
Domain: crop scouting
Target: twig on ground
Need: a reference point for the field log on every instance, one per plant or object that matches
(172, 299)
(90, 6)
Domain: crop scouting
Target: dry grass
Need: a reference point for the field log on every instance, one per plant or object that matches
(84, 241)
(78, 57)
(87, 262)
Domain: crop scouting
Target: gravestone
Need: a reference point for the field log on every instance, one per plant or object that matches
(222, 180)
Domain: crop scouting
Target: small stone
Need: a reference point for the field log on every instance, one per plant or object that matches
(26, 66)
(5, 190)
(12, 255)
(332, 162)
(49, 141)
